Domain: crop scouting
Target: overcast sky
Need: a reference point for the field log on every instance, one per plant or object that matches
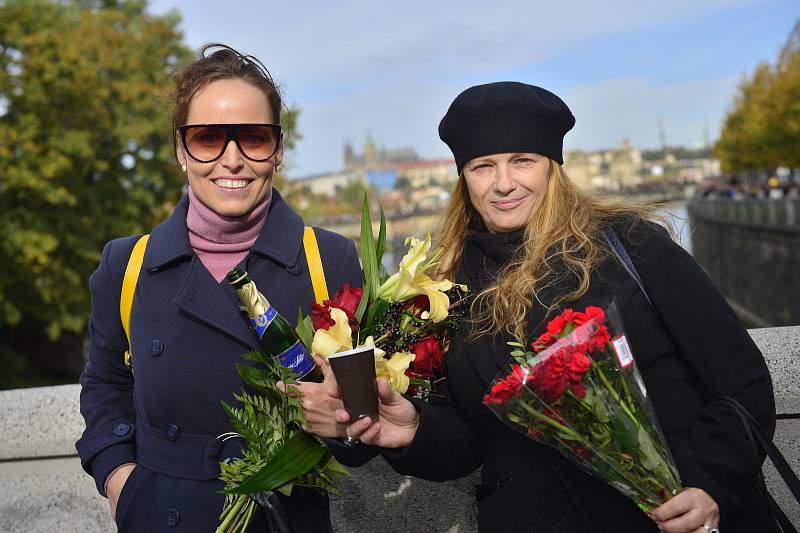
(394, 67)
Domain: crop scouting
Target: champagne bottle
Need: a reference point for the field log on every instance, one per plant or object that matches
(276, 337)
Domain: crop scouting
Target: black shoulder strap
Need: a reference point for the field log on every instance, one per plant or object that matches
(624, 259)
(759, 439)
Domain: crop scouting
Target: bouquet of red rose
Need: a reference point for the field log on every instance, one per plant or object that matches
(407, 316)
(580, 392)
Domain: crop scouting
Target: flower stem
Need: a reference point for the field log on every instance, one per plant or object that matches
(231, 514)
(613, 393)
(548, 420)
(252, 507)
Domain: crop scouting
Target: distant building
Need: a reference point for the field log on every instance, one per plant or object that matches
(327, 184)
(382, 168)
(373, 159)
(624, 168)
(580, 168)
(605, 169)
(429, 198)
(422, 173)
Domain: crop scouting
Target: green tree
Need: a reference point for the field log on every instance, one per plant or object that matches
(290, 116)
(85, 157)
(352, 195)
(762, 130)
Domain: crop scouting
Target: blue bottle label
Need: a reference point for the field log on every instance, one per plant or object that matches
(297, 358)
(262, 321)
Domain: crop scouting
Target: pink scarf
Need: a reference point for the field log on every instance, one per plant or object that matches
(221, 242)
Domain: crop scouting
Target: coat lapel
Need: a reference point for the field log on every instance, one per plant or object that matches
(199, 295)
(208, 302)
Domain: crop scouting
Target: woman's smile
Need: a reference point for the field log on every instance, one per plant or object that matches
(231, 183)
(507, 204)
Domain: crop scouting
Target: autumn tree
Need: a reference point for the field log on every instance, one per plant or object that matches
(762, 130)
(85, 156)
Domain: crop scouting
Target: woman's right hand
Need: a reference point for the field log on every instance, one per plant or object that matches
(397, 422)
(114, 483)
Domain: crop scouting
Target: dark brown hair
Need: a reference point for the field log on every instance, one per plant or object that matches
(215, 62)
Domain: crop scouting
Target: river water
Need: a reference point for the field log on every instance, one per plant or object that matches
(678, 216)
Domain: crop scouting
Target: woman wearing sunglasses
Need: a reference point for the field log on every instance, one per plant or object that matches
(152, 439)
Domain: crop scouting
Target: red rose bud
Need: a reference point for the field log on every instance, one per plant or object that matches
(582, 451)
(578, 364)
(596, 312)
(578, 390)
(535, 433)
(601, 338)
(428, 356)
(347, 300)
(556, 326)
(550, 378)
(506, 388)
(542, 342)
(321, 316)
(554, 413)
(579, 318)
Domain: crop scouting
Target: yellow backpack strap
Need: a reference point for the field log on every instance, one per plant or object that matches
(128, 288)
(314, 261)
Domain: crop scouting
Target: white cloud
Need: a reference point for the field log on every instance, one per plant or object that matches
(393, 67)
(612, 110)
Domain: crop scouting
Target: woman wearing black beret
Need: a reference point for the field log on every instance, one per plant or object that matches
(520, 234)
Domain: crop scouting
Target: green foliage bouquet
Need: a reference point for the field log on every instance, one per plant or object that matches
(279, 455)
(580, 392)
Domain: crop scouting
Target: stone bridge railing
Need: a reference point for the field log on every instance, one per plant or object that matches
(44, 490)
(751, 249)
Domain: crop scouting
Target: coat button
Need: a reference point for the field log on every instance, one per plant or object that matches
(122, 429)
(172, 518)
(156, 347)
(172, 432)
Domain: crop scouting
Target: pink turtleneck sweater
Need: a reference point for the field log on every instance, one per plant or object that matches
(221, 242)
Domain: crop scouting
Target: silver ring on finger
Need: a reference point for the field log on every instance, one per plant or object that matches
(350, 441)
(710, 529)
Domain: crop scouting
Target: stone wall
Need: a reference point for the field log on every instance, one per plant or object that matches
(44, 490)
(751, 249)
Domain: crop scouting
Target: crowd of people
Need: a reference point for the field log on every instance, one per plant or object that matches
(764, 187)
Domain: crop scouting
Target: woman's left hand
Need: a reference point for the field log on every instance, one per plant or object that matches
(690, 511)
(320, 402)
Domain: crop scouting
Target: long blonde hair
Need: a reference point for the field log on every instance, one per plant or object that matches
(566, 225)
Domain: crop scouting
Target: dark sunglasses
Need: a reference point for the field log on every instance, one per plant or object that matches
(207, 142)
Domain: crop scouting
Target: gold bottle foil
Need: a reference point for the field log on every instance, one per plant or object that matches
(253, 301)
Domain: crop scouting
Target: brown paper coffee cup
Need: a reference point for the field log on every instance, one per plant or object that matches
(355, 373)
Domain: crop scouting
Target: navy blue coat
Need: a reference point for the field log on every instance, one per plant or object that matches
(187, 334)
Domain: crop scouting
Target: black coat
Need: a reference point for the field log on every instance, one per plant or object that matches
(187, 334)
(536, 488)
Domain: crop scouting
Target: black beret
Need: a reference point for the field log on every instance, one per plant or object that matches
(505, 116)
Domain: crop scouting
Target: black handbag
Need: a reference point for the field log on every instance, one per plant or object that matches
(762, 444)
